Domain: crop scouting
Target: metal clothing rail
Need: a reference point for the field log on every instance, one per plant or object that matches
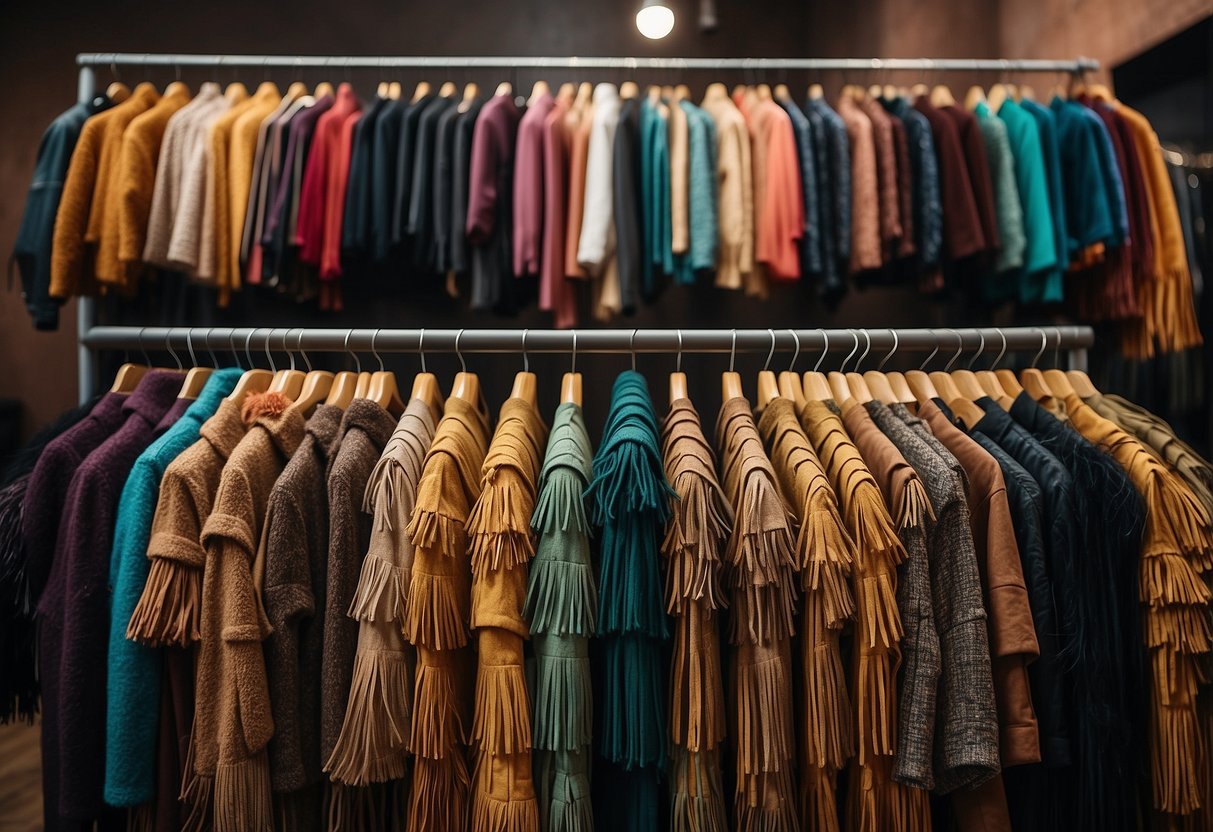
(864, 343)
(102, 59)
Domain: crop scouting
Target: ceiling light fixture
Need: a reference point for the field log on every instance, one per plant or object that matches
(655, 20)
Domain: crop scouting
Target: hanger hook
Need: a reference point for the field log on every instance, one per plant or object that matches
(825, 349)
(375, 352)
(168, 345)
(632, 347)
(526, 361)
(934, 352)
(248, 340)
(573, 359)
(796, 354)
(981, 347)
(421, 348)
(867, 337)
(771, 353)
(231, 344)
(733, 351)
(354, 355)
(303, 353)
(189, 345)
(1044, 343)
(458, 354)
(960, 347)
(889, 354)
(851, 354)
(268, 335)
(1002, 351)
(1057, 348)
(206, 342)
(678, 359)
(286, 347)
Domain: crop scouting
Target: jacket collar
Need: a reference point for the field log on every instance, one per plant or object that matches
(225, 429)
(154, 395)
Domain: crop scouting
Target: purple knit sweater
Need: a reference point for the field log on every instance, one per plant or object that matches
(73, 611)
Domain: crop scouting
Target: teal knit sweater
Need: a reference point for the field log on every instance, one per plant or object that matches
(133, 678)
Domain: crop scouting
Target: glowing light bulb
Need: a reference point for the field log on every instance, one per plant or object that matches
(654, 20)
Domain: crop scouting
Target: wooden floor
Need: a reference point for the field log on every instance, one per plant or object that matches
(20, 778)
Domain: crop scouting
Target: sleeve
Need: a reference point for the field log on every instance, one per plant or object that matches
(138, 166)
(67, 249)
(482, 182)
(288, 603)
(597, 218)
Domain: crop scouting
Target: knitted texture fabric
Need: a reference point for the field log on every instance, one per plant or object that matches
(630, 498)
(133, 677)
(692, 549)
(561, 608)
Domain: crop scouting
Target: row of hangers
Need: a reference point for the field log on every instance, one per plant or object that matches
(959, 388)
(308, 389)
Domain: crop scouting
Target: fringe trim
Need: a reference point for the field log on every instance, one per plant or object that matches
(561, 599)
(764, 717)
(496, 551)
(500, 522)
(385, 488)
(169, 609)
(697, 710)
(502, 722)
(1177, 753)
(827, 737)
(827, 560)
(871, 525)
(696, 796)
(1178, 517)
(875, 706)
(381, 593)
(879, 804)
(440, 795)
(699, 524)
(564, 717)
(198, 795)
(629, 479)
(1183, 629)
(490, 815)
(242, 795)
(141, 818)
(434, 530)
(879, 619)
(1168, 578)
(766, 803)
(571, 809)
(435, 615)
(372, 746)
(561, 506)
(915, 506)
(436, 729)
(819, 800)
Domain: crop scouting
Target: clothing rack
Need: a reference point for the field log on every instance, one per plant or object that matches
(807, 343)
(92, 338)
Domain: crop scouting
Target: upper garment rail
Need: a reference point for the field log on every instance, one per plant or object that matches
(102, 59)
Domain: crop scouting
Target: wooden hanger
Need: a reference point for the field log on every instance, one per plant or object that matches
(816, 92)
(322, 89)
(1081, 382)
(792, 387)
(942, 379)
(117, 92)
(288, 382)
(889, 92)
(381, 91)
(1027, 92)
(570, 389)
(383, 389)
(425, 387)
(364, 384)
(394, 90)
(816, 387)
(128, 378)
(988, 380)
(768, 389)
(524, 382)
(175, 88)
(998, 94)
(966, 380)
(1100, 92)
(782, 93)
(585, 94)
(629, 89)
(1059, 383)
(197, 377)
(448, 90)
(678, 386)
(839, 382)
(715, 92)
(1032, 379)
(941, 96)
(879, 383)
(763, 91)
(236, 91)
(253, 381)
(467, 385)
(341, 391)
(730, 381)
(420, 91)
(920, 383)
(540, 88)
(504, 88)
(967, 412)
(919, 90)
(973, 97)
(317, 384)
(566, 92)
